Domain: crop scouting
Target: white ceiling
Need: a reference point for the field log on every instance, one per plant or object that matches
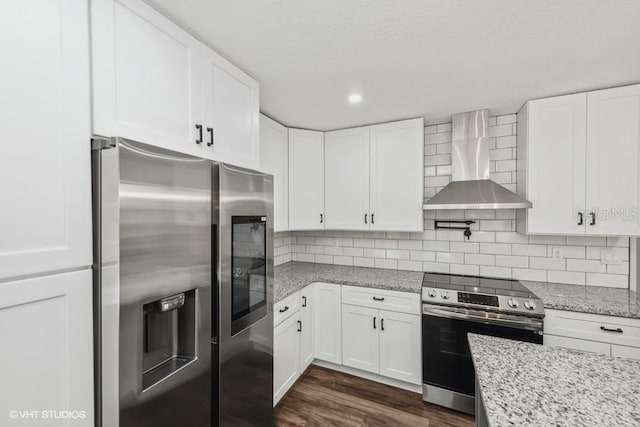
(414, 58)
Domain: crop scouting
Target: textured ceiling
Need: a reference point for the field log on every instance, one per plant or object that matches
(414, 58)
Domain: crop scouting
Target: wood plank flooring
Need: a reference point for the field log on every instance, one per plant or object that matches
(324, 397)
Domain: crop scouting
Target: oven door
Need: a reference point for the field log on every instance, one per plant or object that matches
(446, 360)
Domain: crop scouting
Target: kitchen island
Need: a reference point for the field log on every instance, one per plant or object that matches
(525, 384)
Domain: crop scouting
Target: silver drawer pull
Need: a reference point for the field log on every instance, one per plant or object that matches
(617, 330)
(282, 310)
(378, 299)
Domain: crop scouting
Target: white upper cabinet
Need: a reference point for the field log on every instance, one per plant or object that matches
(554, 135)
(146, 76)
(230, 112)
(153, 82)
(346, 177)
(578, 158)
(397, 175)
(274, 159)
(45, 176)
(306, 180)
(613, 161)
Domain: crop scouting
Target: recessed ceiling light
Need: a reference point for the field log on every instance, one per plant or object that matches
(355, 98)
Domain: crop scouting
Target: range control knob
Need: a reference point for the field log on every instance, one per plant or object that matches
(529, 305)
(431, 293)
(513, 303)
(445, 294)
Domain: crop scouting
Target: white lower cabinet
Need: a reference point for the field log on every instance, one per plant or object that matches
(306, 326)
(286, 355)
(382, 342)
(327, 322)
(400, 346)
(613, 336)
(46, 331)
(360, 340)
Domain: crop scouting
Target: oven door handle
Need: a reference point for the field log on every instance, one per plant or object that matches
(513, 321)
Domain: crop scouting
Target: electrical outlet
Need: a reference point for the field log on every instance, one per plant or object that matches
(610, 256)
(556, 254)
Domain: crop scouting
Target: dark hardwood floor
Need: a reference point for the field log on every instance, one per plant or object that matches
(323, 397)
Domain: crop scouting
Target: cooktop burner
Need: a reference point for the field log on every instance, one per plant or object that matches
(486, 293)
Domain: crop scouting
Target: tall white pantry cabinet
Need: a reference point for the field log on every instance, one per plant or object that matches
(45, 220)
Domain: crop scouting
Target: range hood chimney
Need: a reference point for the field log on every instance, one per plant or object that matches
(470, 186)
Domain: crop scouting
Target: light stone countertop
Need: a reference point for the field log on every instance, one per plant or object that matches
(293, 276)
(524, 384)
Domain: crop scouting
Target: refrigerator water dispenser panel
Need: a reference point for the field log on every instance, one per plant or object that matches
(169, 337)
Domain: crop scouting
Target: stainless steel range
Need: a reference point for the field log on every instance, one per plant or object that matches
(452, 307)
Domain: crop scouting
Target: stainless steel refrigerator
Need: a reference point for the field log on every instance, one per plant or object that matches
(183, 289)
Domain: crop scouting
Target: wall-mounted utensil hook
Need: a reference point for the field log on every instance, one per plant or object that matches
(467, 229)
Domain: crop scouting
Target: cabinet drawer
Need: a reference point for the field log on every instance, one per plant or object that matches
(404, 302)
(625, 352)
(576, 344)
(285, 308)
(606, 329)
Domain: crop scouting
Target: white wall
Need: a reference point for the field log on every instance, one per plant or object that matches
(495, 249)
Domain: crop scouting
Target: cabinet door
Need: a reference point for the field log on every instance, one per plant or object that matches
(327, 329)
(274, 159)
(146, 76)
(556, 164)
(400, 353)
(397, 175)
(346, 177)
(306, 180)
(230, 112)
(306, 319)
(360, 346)
(45, 176)
(46, 331)
(577, 344)
(286, 356)
(613, 156)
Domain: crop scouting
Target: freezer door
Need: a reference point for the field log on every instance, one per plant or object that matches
(164, 210)
(243, 338)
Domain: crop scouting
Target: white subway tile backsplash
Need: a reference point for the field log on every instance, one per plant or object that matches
(571, 277)
(529, 250)
(465, 247)
(363, 262)
(494, 249)
(471, 270)
(512, 261)
(586, 265)
(385, 263)
(547, 264)
(480, 259)
(609, 280)
(489, 271)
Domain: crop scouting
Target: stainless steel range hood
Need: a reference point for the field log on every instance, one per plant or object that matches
(470, 186)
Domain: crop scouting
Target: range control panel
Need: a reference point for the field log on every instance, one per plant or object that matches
(469, 299)
(480, 299)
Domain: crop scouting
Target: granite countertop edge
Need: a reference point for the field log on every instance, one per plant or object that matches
(293, 276)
